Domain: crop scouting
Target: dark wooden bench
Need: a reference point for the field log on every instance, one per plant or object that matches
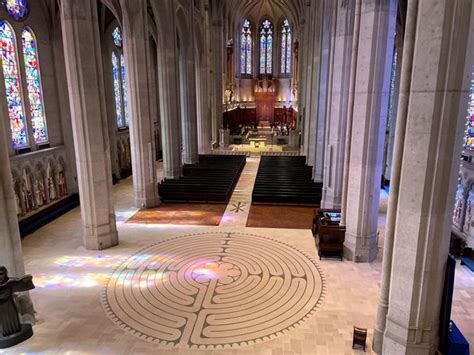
(212, 180)
(285, 180)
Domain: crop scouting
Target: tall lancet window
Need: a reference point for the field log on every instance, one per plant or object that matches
(35, 90)
(469, 132)
(285, 48)
(12, 81)
(246, 48)
(266, 42)
(124, 89)
(117, 89)
(119, 78)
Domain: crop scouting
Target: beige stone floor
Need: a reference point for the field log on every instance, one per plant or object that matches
(70, 279)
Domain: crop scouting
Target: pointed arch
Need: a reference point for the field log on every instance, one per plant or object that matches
(11, 73)
(34, 87)
(246, 47)
(266, 47)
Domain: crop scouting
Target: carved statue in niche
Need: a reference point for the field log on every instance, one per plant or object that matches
(40, 189)
(121, 150)
(467, 220)
(128, 158)
(62, 187)
(457, 211)
(51, 183)
(27, 192)
(19, 210)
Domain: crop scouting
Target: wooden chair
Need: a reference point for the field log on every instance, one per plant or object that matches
(360, 337)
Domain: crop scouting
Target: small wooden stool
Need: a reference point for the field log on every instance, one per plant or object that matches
(360, 337)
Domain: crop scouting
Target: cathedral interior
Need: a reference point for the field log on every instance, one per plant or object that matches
(264, 177)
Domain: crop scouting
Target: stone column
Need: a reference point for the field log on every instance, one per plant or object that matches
(435, 108)
(190, 136)
(312, 80)
(84, 73)
(393, 106)
(217, 57)
(371, 93)
(350, 110)
(138, 65)
(204, 123)
(11, 255)
(323, 89)
(168, 82)
(337, 113)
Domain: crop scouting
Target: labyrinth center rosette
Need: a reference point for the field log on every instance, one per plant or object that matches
(212, 290)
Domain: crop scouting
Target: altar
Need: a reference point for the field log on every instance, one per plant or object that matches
(257, 142)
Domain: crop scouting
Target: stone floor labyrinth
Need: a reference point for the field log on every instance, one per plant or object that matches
(213, 290)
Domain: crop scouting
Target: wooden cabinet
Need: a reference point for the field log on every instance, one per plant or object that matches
(328, 233)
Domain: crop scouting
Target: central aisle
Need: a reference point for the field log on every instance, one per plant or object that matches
(238, 208)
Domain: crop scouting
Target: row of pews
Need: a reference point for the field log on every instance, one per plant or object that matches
(285, 180)
(213, 180)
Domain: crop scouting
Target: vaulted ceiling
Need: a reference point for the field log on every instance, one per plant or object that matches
(235, 10)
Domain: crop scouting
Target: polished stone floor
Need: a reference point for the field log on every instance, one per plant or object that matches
(75, 314)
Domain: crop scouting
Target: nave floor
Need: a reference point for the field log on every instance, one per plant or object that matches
(71, 280)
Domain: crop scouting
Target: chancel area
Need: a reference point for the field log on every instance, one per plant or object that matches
(237, 177)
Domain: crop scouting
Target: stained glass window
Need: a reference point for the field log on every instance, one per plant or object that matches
(17, 8)
(13, 86)
(246, 48)
(124, 89)
(117, 89)
(285, 48)
(266, 42)
(33, 81)
(117, 37)
(469, 136)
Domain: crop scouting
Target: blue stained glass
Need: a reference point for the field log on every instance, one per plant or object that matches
(263, 43)
(17, 8)
(246, 48)
(288, 53)
(35, 91)
(117, 90)
(269, 53)
(249, 54)
(117, 37)
(285, 48)
(12, 85)
(266, 47)
(124, 89)
(469, 133)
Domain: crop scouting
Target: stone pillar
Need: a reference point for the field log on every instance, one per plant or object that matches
(89, 121)
(393, 106)
(325, 57)
(435, 104)
(371, 93)
(398, 146)
(217, 57)
(169, 99)
(142, 140)
(190, 136)
(337, 111)
(11, 255)
(224, 138)
(202, 95)
(312, 79)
